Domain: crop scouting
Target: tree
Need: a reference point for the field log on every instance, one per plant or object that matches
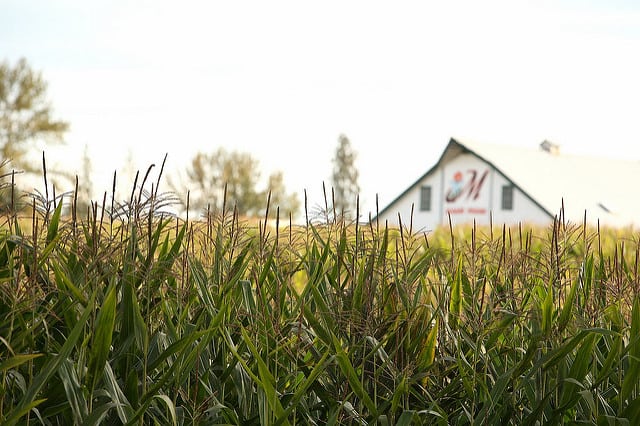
(288, 204)
(85, 185)
(208, 174)
(25, 113)
(344, 178)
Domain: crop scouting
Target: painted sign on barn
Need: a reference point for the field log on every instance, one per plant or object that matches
(466, 190)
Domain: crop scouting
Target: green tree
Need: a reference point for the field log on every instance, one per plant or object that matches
(207, 175)
(344, 178)
(85, 185)
(25, 113)
(287, 203)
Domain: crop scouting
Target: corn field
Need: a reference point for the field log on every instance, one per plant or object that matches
(124, 314)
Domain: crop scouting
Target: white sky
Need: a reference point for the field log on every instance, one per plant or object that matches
(283, 79)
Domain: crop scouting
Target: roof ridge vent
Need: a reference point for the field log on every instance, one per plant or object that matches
(550, 147)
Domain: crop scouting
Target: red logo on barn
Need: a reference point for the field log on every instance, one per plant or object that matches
(471, 186)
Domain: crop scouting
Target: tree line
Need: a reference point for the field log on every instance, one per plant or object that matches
(212, 179)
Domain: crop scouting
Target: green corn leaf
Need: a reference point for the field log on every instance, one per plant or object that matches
(613, 314)
(498, 328)
(406, 418)
(565, 313)
(249, 300)
(112, 387)
(51, 366)
(64, 284)
(5, 252)
(43, 256)
(352, 377)
(102, 336)
(401, 390)
(584, 356)
(175, 247)
(52, 229)
(131, 388)
(203, 287)
(612, 358)
(302, 389)
(322, 332)
(587, 396)
(633, 410)
(263, 374)
(322, 312)
(547, 311)
(17, 360)
(267, 380)
(430, 346)
(73, 389)
(132, 324)
(496, 395)
(578, 371)
(177, 349)
(21, 411)
(5, 255)
(170, 406)
(98, 414)
(561, 352)
(632, 375)
(455, 302)
(634, 349)
(588, 275)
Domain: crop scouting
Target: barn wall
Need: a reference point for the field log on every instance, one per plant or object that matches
(422, 220)
(465, 189)
(524, 209)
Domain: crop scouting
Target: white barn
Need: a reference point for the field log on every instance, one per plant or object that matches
(510, 185)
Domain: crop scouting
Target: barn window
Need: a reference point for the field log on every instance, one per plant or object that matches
(507, 197)
(425, 198)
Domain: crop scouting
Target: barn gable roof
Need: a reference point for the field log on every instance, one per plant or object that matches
(603, 187)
